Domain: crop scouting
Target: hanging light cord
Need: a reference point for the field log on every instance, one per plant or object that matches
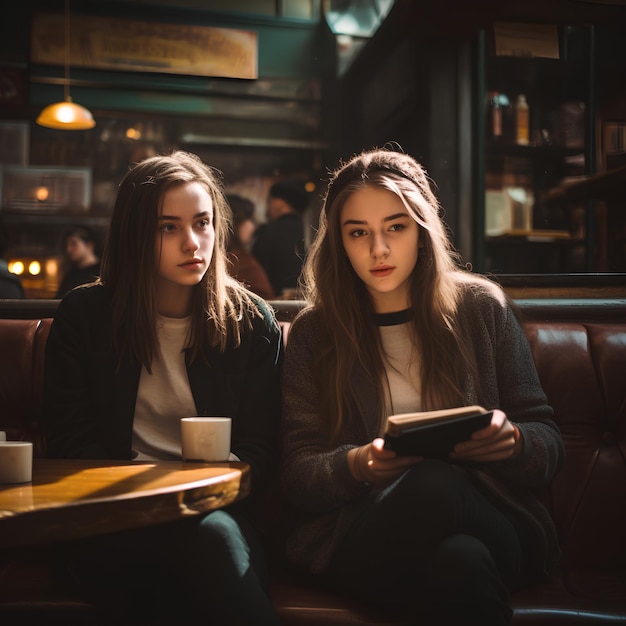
(67, 52)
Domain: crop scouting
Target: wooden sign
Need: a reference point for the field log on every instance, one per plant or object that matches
(519, 39)
(143, 46)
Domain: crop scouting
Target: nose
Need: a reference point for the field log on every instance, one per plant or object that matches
(191, 241)
(379, 247)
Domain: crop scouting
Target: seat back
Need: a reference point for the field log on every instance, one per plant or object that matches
(582, 368)
(22, 349)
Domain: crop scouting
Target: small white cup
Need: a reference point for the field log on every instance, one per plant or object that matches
(205, 438)
(16, 462)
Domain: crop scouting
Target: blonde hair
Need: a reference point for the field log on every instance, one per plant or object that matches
(349, 335)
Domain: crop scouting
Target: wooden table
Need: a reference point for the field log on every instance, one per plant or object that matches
(70, 499)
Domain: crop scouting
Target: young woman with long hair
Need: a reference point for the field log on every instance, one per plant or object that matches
(396, 324)
(165, 333)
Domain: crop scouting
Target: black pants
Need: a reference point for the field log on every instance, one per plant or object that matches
(204, 570)
(432, 543)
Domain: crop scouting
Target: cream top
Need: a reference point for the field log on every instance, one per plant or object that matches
(164, 396)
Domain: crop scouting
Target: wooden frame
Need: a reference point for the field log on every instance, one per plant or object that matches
(46, 189)
(143, 46)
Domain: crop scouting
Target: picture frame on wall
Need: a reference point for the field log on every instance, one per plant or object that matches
(64, 190)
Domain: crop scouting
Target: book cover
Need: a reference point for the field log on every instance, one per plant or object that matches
(433, 434)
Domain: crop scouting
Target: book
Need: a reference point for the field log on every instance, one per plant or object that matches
(433, 434)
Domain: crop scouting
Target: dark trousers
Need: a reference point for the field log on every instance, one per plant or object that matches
(208, 570)
(433, 544)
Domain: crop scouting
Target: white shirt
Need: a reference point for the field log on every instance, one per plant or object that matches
(402, 370)
(164, 396)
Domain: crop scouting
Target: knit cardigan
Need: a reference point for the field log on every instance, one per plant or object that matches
(316, 478)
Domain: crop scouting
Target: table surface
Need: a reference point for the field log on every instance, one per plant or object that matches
(71, 498)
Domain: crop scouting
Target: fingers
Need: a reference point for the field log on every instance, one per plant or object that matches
(379, 451)
(373, 464)
(498, 421)
(497, 442)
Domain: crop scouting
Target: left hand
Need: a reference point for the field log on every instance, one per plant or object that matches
(499, 441)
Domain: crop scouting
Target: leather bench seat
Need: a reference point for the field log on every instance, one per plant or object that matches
(580, 353)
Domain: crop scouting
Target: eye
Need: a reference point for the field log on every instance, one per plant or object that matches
(357, 232)
(204, 223)
(168, 227)
(397, 227)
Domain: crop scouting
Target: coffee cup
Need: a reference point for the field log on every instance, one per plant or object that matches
(16, 462)
(205, 438)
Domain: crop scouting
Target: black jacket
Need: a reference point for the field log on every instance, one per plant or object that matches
(279, 248)
(89, 404)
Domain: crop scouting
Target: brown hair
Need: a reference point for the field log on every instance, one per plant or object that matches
(349, 335)
(220, 305)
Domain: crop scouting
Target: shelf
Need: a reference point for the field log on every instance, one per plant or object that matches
(541, 235)
(55, 219)
(525, 233)
(533, 152)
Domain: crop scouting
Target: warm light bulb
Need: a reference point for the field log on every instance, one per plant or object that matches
(16, 267)
(66, 115)
(34, 268)
(52, 267)
(133, 133)
(42, 194)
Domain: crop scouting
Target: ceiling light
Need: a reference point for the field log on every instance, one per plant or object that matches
(66, 115)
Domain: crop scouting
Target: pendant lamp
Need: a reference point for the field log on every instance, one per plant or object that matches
(66, 115)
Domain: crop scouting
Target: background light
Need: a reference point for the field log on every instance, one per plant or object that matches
(34, 268)
(16, 267)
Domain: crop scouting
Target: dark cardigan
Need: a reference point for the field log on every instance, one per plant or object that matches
(317, 479)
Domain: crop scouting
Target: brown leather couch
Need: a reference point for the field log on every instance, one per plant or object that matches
(579, 347)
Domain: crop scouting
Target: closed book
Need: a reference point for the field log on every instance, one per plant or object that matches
(433, 434)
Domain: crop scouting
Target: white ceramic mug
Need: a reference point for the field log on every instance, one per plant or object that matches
(16, 461)
(205, 438)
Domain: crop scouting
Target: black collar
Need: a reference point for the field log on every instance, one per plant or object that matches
(393, 319)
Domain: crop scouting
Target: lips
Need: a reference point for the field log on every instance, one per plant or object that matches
(192, 264)
(382, 271)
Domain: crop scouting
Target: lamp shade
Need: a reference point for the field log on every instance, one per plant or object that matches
(66, 115)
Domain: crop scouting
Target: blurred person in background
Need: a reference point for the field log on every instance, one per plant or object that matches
(81, 259)
(242, 265)
(279, 245)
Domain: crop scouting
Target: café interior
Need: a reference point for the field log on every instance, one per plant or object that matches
(517, 111)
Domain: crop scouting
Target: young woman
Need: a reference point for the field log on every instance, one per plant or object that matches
(396, 325)
(166, 332)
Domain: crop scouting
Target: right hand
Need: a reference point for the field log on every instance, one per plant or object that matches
(374, 464)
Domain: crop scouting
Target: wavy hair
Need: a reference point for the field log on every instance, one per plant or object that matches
(349, 335)
(220, 305)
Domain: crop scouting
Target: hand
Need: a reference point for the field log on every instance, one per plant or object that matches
(499, 441)
(375, 465)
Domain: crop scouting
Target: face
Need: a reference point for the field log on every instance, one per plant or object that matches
(184, 240)
(381, 241)
(275, 208)
(246, 232)
(77, 249)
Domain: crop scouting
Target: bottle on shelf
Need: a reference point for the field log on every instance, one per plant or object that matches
(499, 113)
(496, 117)
(522, 126)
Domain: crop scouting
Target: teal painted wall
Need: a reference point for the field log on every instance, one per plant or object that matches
(289, 50)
